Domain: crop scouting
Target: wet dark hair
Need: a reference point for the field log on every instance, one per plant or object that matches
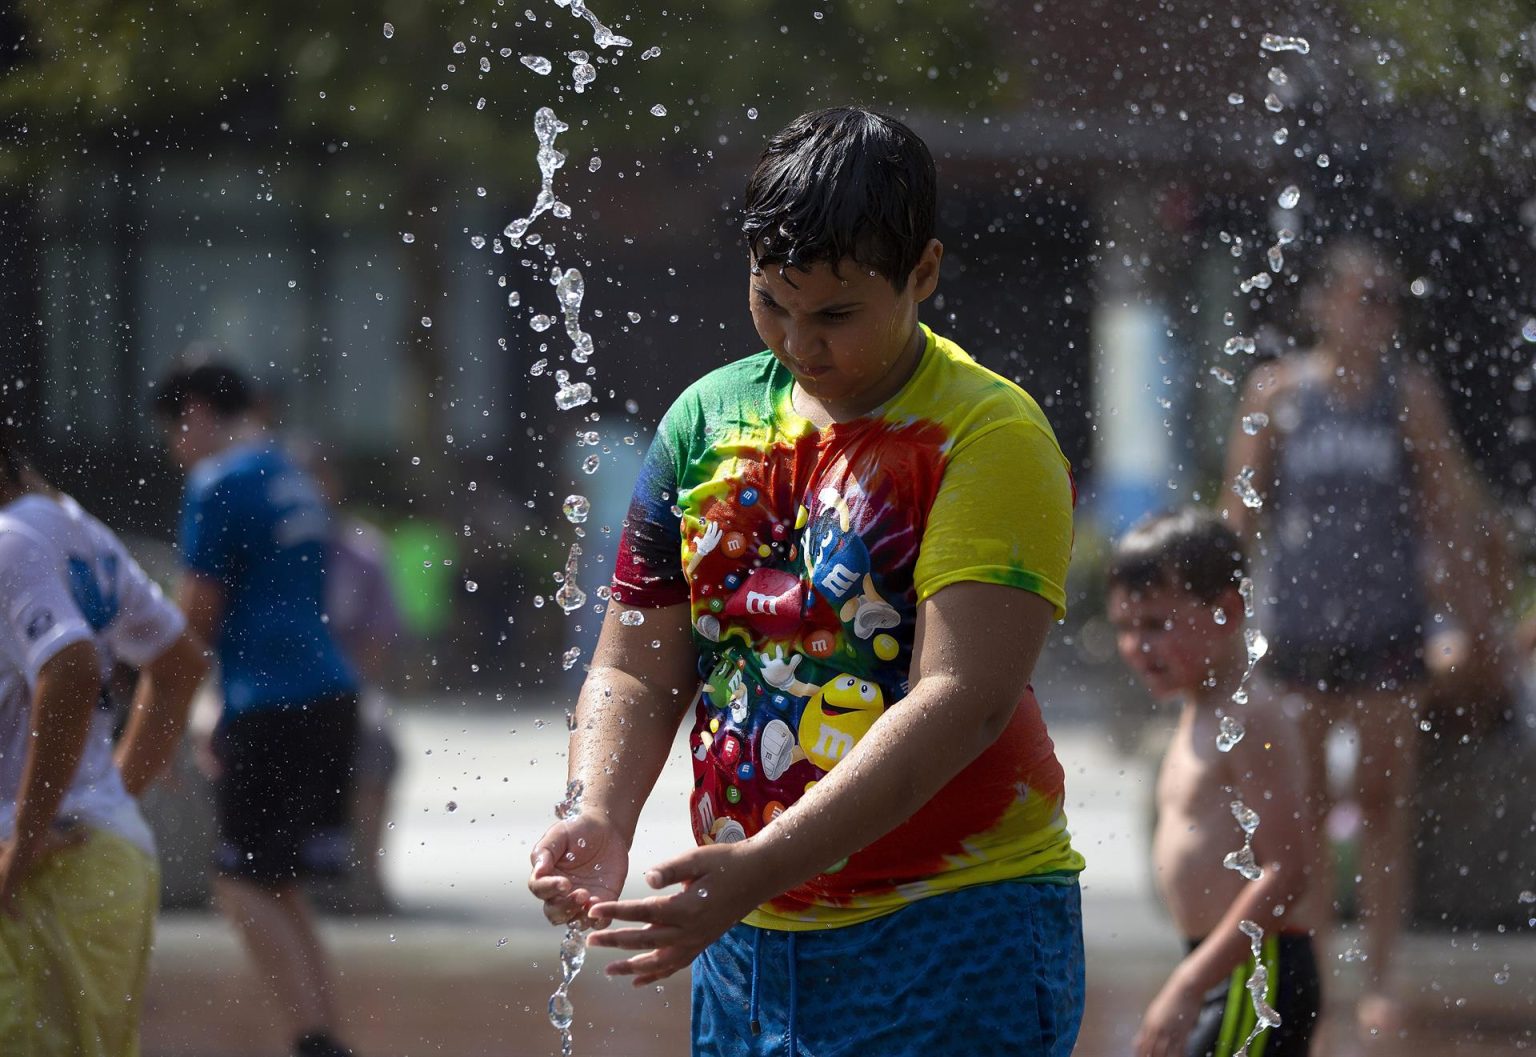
(1190, 549)
(842, 183)
(219, 386)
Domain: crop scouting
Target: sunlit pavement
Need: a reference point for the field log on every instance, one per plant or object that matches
(465, 969)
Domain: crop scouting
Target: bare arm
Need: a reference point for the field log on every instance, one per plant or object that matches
(159, 712)
(964, 692)
(1255, 451)
(631, 705)
(629, 710)
(68, 686)
(202, 600)
(1451, 498)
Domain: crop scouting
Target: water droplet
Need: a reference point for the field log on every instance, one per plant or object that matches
(459, 47)
(569, 658)
(541, 322)
(477, 241)
(1528, 330)
(1235, 98)
(471, 586)
(1245, 588)
(1275, 257)
(537, 63)
(1289, 197)
(1275, 42)
(1224, 376)
(389, 31)
(650, 53)
(631, 618)
(1323, 161)
(576, 508)
(572, 396)
(1254, 422)
(583, 75)
(634, 317)
(1277, 76)
(1238, 343)
(538, 367)
(1219, 615)
(1280, 136)
(292, 283)
(570, 597)
(594, 164)
(426, 321)
(485, 64)
(1501, 977)
(751, 113)
(1272, 103)
(407, 238)
(1244, 863)
(561, 1012)
(1230, 733)
(1257, 645)
(453, 805)
(658, 111)
(1246, 817)
(590, 464)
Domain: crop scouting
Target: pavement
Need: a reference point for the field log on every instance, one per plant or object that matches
(464, 968)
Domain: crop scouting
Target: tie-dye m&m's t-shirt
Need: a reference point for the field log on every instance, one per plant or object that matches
(804, 554)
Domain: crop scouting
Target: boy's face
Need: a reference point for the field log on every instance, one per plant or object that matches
(192, 435)
(1169, 637)
(848, 337)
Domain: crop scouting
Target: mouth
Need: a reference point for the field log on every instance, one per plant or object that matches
(808, 371)
(832, 711)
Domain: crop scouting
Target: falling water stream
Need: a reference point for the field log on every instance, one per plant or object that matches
(1231, 731)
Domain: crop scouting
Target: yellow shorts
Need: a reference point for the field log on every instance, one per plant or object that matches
(72, 966)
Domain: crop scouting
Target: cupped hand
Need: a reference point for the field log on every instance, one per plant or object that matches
(578, 862)
(1166, 1025)
(722, 883)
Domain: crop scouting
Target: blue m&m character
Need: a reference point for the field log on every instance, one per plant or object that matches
(745, 772)
(748, 496)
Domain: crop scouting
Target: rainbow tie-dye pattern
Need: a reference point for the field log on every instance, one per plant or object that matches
(804, 555)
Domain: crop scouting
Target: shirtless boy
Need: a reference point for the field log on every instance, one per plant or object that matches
(1178, 615)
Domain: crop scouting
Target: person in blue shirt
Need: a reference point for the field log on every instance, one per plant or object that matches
(254, 539)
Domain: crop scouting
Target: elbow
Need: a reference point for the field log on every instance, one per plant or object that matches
(995, 716)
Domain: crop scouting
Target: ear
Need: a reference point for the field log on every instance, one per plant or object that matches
(925, 274)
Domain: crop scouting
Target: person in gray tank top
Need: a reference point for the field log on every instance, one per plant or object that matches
(1362, 490)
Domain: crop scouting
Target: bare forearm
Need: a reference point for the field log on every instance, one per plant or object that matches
(911, 752)
(624, 730)
(62, 706)
(161, 703)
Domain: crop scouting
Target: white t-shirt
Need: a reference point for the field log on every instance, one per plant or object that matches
(65, 578)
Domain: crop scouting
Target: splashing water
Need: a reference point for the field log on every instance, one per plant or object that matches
(1245, 588)
(546, 126)
(602, 36)
(570, 597)
(1290, 197)
(1258, 987)
(1243, 860)
(1230, 733)
(538, 64)
(1253, 423)
(573, 946)
(571, 394)
(577, 509)
(1243, 488)
(570, 289)
(1275, 42)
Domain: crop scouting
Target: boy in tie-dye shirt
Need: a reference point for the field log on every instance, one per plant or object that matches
(850, 548)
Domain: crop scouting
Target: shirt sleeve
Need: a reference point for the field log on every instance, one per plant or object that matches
(208, 526)
(147, 623)
(1003, 515)
(38, 615)
(648, 571)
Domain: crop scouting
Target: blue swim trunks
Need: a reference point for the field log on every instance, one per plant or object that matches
(995, 969)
